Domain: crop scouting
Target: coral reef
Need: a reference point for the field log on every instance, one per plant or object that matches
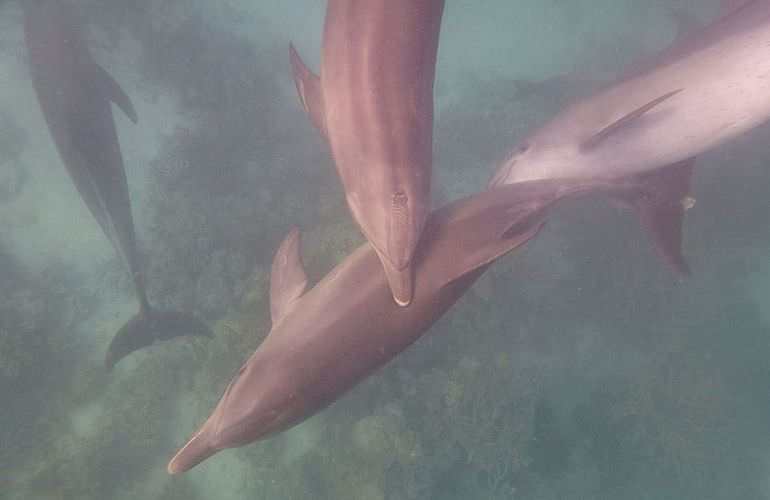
(677, 413)
(486, 411)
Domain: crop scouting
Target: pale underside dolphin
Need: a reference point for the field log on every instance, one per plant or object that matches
(75, 96)
(329, 339)
(373, 103)
(704, 89)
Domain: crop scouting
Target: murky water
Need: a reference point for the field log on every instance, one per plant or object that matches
(579, 367)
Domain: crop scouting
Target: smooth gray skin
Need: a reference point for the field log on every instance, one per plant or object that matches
(374, 105)
(326, 341)
(75, 96)
(720, 80)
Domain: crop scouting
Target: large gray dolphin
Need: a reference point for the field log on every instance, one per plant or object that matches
(75, 96)
(704, 89)
(373, 103)
(329, 339)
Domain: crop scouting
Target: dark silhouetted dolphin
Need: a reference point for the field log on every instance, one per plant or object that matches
(704, 89)
(75, 96)
(329, 339)
(373, 103)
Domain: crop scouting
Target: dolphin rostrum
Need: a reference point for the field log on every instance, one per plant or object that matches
(373, 103)
(75, 96)
(327, 340)
(704, 89)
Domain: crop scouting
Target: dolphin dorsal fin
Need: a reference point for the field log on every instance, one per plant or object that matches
(288, 279)
(309, 88)
(116, 93)
(613, 127)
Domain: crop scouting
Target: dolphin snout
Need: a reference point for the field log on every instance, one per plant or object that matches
(197, 449)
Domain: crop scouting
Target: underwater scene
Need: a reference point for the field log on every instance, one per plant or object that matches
(384, 249)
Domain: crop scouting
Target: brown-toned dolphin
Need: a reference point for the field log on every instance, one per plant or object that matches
(704, 89)
(329, 339)
(75, 96)
(373, 103)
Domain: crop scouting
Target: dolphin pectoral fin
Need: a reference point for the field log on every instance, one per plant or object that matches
(149, 325)
(116, 93)
(621, 123)
(288, 279)
(661, 199)
(309, 88)
(516, 235)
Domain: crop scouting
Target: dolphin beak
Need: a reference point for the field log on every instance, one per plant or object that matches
(197, 449)
(399, 280)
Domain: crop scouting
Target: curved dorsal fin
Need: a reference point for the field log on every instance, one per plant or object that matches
(287, 276)
(309, 88)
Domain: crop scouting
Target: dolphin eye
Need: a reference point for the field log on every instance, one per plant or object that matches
(523, 147)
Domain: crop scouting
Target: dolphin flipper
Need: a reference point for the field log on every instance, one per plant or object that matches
(116, 93)
(149, 325)
(621, 123)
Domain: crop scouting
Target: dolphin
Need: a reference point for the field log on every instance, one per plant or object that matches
(373, 103)
(701, 91)
(75, 96)
(327, 340)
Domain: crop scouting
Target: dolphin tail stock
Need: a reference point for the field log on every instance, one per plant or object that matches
(661, 197)
(149, 325)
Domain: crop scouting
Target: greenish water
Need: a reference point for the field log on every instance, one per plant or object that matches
(576, 368)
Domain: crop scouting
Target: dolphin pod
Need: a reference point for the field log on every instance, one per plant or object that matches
(704, 89)
(327, 340)
(373, 103)
(75, 96)
(636, 141)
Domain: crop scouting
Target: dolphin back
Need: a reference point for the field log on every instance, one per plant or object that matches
(373, 103)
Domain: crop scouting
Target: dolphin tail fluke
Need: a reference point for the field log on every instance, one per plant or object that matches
(149, 325)
(661, 198)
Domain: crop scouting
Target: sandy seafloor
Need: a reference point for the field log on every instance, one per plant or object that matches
(577, 368)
